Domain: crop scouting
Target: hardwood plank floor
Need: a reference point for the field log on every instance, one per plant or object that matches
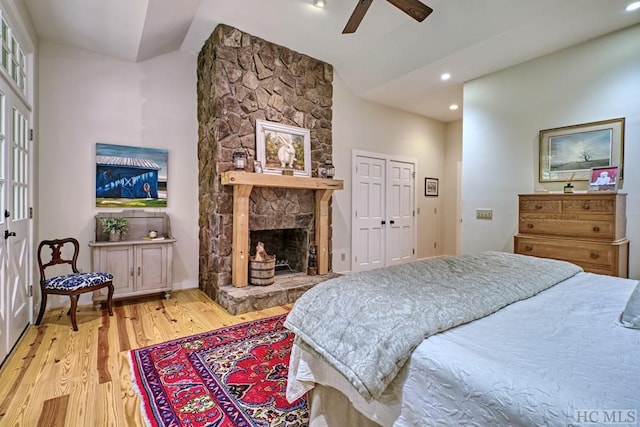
(56, 377)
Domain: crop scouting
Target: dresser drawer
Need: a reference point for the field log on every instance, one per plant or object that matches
(595, 257)
(600, 206)
(540, 206)
(575, 228)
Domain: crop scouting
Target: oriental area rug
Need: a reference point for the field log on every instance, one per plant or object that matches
(229, 377)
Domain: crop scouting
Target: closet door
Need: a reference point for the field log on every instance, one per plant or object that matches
(383, 199)
(400, 212)
(368, 201)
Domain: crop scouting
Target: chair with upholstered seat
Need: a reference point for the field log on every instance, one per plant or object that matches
(72, 284)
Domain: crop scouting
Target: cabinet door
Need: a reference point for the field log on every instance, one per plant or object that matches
(151, 267)
(117, 260)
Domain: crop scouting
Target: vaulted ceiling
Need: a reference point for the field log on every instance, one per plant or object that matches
(391, 59)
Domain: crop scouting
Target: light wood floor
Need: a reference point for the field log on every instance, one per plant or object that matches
(57, 377)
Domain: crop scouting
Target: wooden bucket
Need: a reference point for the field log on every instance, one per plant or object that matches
(262, 273)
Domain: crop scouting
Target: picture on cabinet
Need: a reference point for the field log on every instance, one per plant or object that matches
(604, 179)
(572, 151)
(131, 177)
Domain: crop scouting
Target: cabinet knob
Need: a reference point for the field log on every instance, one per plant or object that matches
(596, 228)
(131, 272)
(538, 206)
(595, 255)
(529, 225)
(586, 206)
(528, 248)
(138, 271)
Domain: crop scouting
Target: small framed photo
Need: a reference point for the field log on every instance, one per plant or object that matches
(257, 166)
(604, 178)
(431, 186)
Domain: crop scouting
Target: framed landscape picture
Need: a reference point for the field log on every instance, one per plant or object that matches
(568, 153)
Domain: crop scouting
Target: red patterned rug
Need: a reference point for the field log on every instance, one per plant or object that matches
(233, 376)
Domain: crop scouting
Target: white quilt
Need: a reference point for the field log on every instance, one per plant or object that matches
(553, 359)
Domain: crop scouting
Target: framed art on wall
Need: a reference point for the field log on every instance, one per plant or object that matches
(282, 147)
(569, 153)
(431, 186)
(131, 177)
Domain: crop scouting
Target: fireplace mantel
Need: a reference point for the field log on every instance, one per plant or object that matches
(243, 183)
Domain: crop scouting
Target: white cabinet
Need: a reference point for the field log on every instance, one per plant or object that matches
(139, 266)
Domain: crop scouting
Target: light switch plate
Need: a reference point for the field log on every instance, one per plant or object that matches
(484, 214)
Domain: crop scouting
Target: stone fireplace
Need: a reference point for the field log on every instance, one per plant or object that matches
(242, 78)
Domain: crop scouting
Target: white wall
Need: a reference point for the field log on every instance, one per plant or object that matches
(87, 98)
(451, 189)
(363, 125)
(504, 112)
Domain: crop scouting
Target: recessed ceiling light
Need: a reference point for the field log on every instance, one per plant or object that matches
(445, 76)
(453, 107)
(319, 3)
(633, 6)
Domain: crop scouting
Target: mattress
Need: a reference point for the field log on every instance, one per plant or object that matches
(552, 359)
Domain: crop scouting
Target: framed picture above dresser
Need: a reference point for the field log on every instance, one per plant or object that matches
(587, 229)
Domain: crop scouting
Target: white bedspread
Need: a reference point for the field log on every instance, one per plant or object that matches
(540, 361)
(366, 325)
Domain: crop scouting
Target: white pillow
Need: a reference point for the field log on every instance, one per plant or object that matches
(630, 317)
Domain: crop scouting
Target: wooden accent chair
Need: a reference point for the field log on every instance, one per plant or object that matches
(72, 284)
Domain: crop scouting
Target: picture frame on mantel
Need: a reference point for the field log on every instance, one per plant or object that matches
(282, 147)
(569, 153)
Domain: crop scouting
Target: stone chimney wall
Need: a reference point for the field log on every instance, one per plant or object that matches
(242, 78)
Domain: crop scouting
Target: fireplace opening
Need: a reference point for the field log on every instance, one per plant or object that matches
(290, 247)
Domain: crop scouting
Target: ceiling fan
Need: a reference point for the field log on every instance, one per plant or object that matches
(414, 8)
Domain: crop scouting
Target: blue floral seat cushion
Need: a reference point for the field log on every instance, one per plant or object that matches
(75, 281)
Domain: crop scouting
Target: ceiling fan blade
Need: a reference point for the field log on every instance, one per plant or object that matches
(356, 16)
(414, 8)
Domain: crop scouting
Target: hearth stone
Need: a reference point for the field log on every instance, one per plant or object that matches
(286, 290)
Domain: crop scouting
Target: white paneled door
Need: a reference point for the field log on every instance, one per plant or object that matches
(383, 197)
(15, 250)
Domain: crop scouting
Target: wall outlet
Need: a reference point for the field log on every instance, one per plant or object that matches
(484, 214)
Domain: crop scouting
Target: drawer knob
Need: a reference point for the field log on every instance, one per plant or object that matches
(529, 225)
(586, 206)
(538, 206)
(595, 255)
(596, 228)
(528, 248)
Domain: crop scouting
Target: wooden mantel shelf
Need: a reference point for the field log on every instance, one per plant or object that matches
(281, 181)
(243, 183)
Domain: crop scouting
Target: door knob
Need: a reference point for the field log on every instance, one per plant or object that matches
(8, 234)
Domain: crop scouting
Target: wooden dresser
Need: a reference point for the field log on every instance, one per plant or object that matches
(587, 229)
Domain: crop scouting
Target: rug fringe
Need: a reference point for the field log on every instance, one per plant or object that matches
(136, 389)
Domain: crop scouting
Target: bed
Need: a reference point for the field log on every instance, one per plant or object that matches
(549, 350)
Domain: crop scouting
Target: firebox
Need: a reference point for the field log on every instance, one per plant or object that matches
(290, 247)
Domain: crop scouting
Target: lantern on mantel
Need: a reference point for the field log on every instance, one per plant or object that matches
(239, 159)
(331, 170)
